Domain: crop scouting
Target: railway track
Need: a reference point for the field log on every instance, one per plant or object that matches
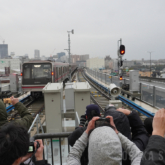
(98, 96)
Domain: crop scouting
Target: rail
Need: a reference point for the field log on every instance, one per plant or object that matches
(54, 143)
(152, 95)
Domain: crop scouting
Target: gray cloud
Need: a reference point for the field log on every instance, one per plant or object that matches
(98, 24)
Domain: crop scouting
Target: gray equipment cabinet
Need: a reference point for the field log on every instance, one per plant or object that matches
(134, 80)
(69, 96)
(14, 82)
(81, 96)
(53, 96)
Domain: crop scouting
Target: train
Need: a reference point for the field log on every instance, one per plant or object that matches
(36, 74)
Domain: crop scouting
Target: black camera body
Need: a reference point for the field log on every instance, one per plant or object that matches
(101, 121)
(32, 147)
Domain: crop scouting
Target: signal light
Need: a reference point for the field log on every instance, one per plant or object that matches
(21, 74)
(122, 49)
(121, 78)
(52, 73)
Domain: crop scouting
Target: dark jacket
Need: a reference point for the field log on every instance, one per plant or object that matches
(154, 153)
(139, 133)
(26, 118)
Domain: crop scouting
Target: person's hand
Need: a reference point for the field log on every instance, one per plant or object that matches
(27, 156)
(39, 153)
(14, 100)
(112, 123)
(125, 111)
(91, 124)
(159, 123)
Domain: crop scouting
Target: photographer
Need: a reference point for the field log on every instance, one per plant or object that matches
(105, 146)
(14, 146)
(155, 150)
(26, 118)
(91, 111)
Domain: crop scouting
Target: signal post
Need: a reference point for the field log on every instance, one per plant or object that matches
(120, 52)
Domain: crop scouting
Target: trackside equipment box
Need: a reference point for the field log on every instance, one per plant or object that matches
(134, 80)
(53, 96)
(14, 82)
(81, 96)
(69, 96)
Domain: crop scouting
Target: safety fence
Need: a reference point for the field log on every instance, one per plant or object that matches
(56, 147)
(153, 95)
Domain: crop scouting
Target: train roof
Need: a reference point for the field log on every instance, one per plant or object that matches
(56, 63)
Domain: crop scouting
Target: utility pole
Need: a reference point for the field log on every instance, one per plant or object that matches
(150, 61)
(72, 31)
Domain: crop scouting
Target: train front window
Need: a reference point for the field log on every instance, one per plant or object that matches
(26, 74)
(41, 71)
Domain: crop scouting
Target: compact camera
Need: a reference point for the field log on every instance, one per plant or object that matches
(32, 147)
(101, 121)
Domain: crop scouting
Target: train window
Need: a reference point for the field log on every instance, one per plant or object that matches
(26, 71)
(41, 71)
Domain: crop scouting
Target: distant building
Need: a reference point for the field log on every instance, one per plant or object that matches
(81, 63)
(59, 55)
(14, 64)
(36, 54)
(75, 58)
(128, 63)
(95, 63)
(107, 61)
(64, 59)
(3, 51)
(84, 57)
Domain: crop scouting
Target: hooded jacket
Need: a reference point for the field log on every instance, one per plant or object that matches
(26, 118)
(105, 148)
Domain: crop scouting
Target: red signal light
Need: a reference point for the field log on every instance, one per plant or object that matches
(122, 49)
(122, 52)
(52, 73)
(21, 74)
(121, 78)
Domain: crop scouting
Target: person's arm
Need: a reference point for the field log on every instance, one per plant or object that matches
(139, 134)
(131, 149)
(3, 114)
(77, 150)
(155, 150)
(26, 118)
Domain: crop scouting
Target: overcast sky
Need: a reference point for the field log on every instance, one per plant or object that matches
(98, 24)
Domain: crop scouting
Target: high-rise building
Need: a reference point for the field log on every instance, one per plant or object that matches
(3, 50)
(60, 54)
(36, 53)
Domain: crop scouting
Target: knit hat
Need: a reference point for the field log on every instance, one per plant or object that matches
(104, 147)
(92, 110)
(148, 124)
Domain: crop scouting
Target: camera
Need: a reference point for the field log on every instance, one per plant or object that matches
(101, 121)
(32, 147)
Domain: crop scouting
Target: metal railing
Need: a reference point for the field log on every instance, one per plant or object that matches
(152, 95)
(38, 124)
(56, 147)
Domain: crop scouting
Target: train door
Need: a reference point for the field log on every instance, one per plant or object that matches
(57, 74)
